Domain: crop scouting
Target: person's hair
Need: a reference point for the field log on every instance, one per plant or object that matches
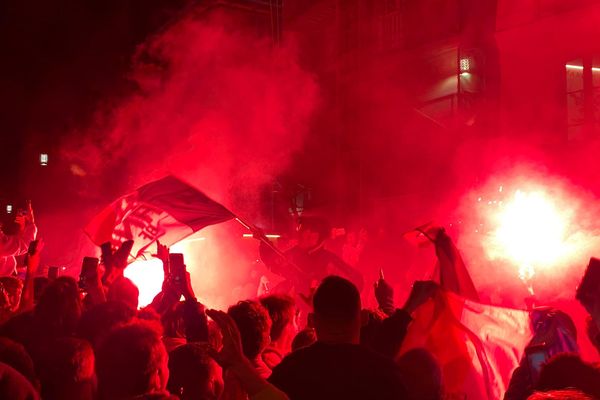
(316, 224)
(22, 328)
(67, 370)
(569, 394)
(15, 355)
(101, 318)
(568, 370)
(186, 320)
(304, 338)
(254, 323)
(59, 308)
(545, 320)
(127, 360)
(282, 310)
(15, 386)
(336, 300)
(124, 290)
(215, 336)
(422, 374)
(192, 373)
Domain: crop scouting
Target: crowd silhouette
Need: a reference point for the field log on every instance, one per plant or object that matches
(62, 338)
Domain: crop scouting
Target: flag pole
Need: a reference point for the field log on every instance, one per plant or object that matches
(262, 238)
(267, 242)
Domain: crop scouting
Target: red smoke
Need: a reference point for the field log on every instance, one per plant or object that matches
(217, 106)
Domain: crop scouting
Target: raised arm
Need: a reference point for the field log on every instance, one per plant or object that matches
(390, 335)
(231, 357)
(32, 263)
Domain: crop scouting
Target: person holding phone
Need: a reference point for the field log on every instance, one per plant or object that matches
(554, 333)
(15, 235)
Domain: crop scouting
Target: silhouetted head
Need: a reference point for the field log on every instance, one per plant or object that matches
(174, 323)
(124, 290)
(253, 321)
(565, 371)
(312, 231)
(193, 374)
(67, 370)
(304, 338)
(422, 375)
(282, 310)
(15, 386)
(337, 311)
(132, 361)
(100, 319)
(59, 309)
(569, 394)
(15, 355)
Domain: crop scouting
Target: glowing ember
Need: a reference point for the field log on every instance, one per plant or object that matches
(530, 230)
(148, 277)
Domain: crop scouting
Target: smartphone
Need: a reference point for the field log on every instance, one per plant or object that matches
(52, 273)
(589, 287)
(106, 251)
(177, 267)
(89, 270)
(537, 355)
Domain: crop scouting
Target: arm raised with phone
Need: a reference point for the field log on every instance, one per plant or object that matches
(32, 263)
(16, 234)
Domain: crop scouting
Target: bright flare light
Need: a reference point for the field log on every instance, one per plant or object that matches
(147, 275)
(531, 232)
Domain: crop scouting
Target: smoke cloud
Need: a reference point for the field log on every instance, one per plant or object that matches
(218, 106)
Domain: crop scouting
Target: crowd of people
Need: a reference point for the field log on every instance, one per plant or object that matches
(87, 339)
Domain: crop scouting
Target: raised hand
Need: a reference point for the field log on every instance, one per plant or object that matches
(32, 262)
(232, 357)
(114, 263)
(120, 257)
(384, 293)
(186, 288)
(162, 253)
(29, 213)
(420, 293)
(32, 259)
(232, 353)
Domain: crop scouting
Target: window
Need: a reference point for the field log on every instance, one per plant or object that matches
(583, 98)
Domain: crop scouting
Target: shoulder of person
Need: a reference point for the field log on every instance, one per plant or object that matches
(294, 250)
(271, 356)
(156, 396)
(294, 359)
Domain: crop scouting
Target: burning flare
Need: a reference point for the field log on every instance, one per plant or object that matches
(531, 231)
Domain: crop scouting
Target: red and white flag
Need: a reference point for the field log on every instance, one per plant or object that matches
(167, 209)
(477, 346)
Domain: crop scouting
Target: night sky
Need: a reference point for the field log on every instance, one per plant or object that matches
(60, 58)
